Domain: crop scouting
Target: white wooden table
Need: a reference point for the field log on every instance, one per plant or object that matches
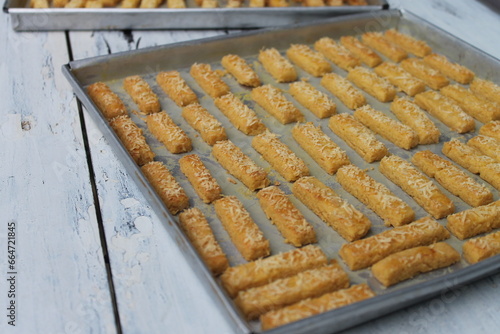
(91, 257)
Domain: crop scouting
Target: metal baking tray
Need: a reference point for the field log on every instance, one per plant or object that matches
(25, 18)
(112, 69)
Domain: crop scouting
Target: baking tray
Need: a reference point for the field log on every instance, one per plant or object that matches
(147, 62)
(25, 18)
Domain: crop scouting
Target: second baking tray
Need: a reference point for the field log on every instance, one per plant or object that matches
(112, 69)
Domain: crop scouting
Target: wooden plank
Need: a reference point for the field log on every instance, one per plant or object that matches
(61, 282)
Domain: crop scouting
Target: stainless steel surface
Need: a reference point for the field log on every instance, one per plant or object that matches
(29, 19)
(148, 62)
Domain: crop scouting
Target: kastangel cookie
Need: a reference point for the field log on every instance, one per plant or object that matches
(479, 249)
(452, 70)
(208, 3)
(130, 3)
(472, 222)
(336, 212)
(245, 234)
(344, 90)
(240, 115)
(169, 190)
(358, 137)
(400, 78)
(375, 195)
(257, 3)
(392, 130)
(40, 4)
(337, 53)
(363, 253)
(487, 145)
(411, 262)
(286, 291)
(314, 100)
(157, 3)
(313, 3)
(482, 110)
(415, 184)
(166, 131)
(264, 271)
(452, 178)
(377, 41)
(446, 110)
(239, 68)
(195, 225)
(371, 83)
(240, 165)
(209, 80)
(199, 176)
(172, 3)
(486, 89)
(274, 102)
(287, 218)
(309, 60)
(133, 140)
(320, 147)
(176, 88)
(277, 65)
(108, 102)
(367, 55)
(410, 114)
(142, 94)
(277, 3)
(209, 128)
(279, 156)
(409, 44)
(313, 306)
(432, 78)
(491, 129)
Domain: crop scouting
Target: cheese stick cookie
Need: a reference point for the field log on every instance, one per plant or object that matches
(479, 249)
(274, 102)
(337, 53)
(487, 145)
(241, 116)
(245, 234)
(132, 138)
(491, 129)
(446, 110)
(314, 100)
(142, 94)
(165, 185)
(310, 61)
(205, 123)
(108, 102)
(263, 271)
(209, 4)
(277, 3)
(357, 2)
(335, 2)
(176, 88)
(233, 3)
(154, 3)
(320, 147)
(130, 3)
(336, 212)
(313, 306)
(411, 262)
(199, 176)
(377, 41)
(166, 131)
(410, 114)
(174, 3)
(286, 291)
(418, 47)
(195, 225)
(313, 3)
(452, 70)
(239, 68)
(432, 78)
(375, 195)
(39, 4)
(482, 110)
(60, 3)
(209, 80)
(371, 83)
(277, 65)
(257, 3)
(110, 3)
(240, 165)
(486, 89)
(358, 137)
(279, 156)
(75, 4)
(475, 221)
(367, 55)
(343, 90)
(287, 218)
(415, 184)
(392, 130)
(400, 78)
(363, 253)
(452, 178)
